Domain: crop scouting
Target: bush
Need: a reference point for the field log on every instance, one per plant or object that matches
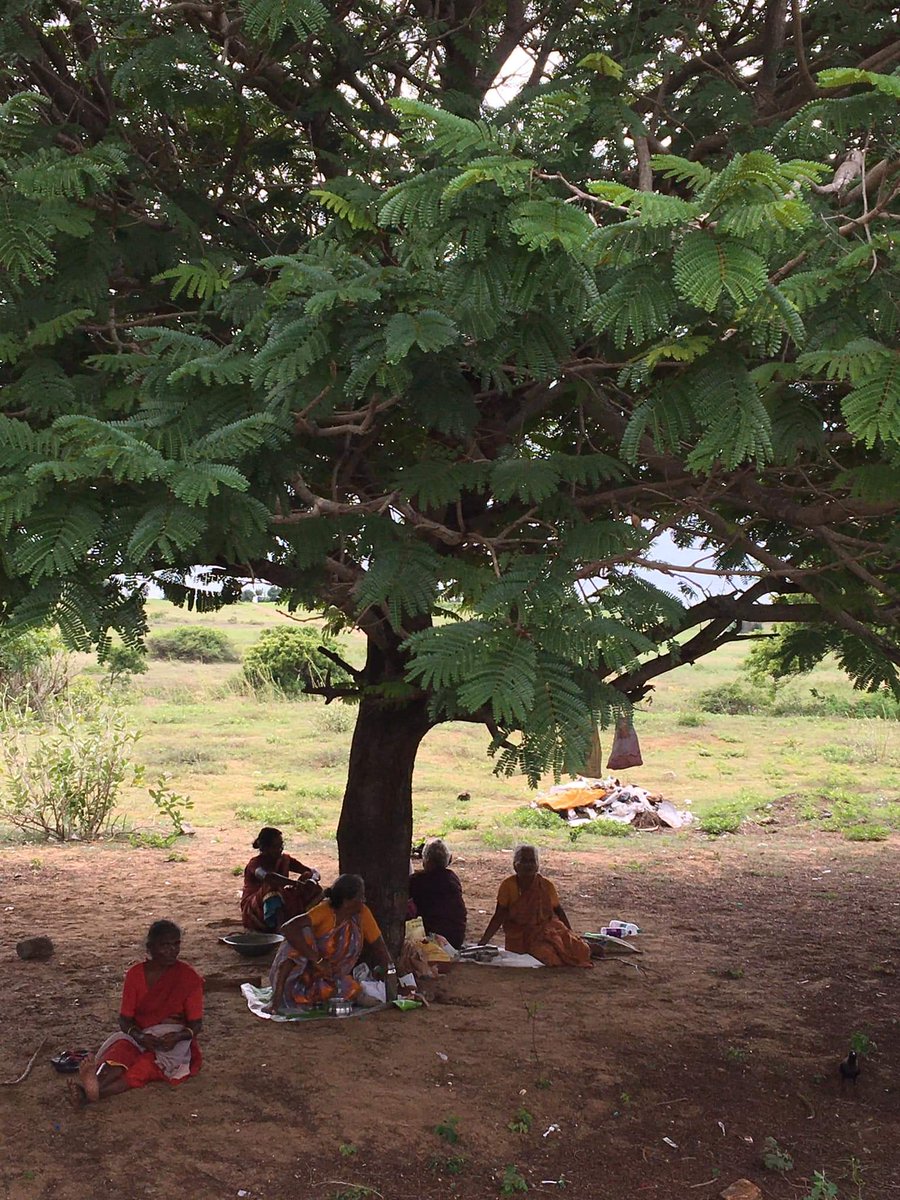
(336, 718)
(34, 667)
(290, 659)
(63, 773)
(122, 661)
(733, 699)
(193, 643)
(527, 817)
(867, 833)
(298, 817)
(690, 719)
(606, 827)
(726, 818)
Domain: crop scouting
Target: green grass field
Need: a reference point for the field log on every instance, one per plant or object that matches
(272, 761)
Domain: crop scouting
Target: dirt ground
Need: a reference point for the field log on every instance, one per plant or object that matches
(762, 956)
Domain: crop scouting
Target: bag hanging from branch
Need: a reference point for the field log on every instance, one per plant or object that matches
(593, 768)
(626, 749)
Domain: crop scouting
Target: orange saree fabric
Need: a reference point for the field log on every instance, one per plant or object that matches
(532, 927)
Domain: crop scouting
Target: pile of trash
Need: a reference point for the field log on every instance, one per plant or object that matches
(584, 800)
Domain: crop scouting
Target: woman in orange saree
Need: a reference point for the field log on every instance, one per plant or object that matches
(321, 948)
(533, 919)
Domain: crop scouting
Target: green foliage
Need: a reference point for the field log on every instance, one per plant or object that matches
(723, 818)
(527, 817)
(862, 1044)
(606, 827)
(64, 769)
(34, 668)
(122, 661)
(775, 1158)
(448, 1130)
(170, 804)
(522, 1121)
(866, 833)
(512, 1181)
(193, 643)
(731, 699)
(297, 815)
(291, 660)
(822, 1188)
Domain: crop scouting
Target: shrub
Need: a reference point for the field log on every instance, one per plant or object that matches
(725, 818)
(299, 817)
(461, 824)
(122, 661)
(34, 667)
(606, 827)
(527, 817)
(867, 833)
(290, 658)
(63, 774)
(689, 719)
(336, 718)
(193, 643)
(732, 699)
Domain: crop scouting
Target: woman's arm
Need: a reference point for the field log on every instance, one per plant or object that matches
(380, 954)
(280, 980)
(561, 913)
(498, 919)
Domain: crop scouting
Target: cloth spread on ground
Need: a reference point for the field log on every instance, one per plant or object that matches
(167, 1006)
(265, 906)
(532, 927)
(340, 944)
(257, 998)
(506, 958)
(437, 895)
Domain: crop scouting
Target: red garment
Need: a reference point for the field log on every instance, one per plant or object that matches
(297, 898)
(176, 996)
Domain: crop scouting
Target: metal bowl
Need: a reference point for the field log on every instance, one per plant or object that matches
(339, 1006)
(253, 945)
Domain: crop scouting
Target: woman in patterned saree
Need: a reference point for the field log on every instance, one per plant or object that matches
(321, 948)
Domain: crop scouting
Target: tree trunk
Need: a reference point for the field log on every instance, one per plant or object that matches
(375, 830)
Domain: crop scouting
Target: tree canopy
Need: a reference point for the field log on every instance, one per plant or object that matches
(438, 316)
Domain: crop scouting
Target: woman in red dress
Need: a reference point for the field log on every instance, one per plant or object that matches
(270, 896)
(159, 1022)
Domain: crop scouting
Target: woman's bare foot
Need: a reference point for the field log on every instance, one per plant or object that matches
(88, 1081)
(75, 1094)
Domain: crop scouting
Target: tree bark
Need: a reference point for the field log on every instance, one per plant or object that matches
(375, 830)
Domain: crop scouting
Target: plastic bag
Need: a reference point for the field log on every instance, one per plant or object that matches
(626, 749)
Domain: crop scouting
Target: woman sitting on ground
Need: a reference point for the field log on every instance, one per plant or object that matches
(437, 895)
(159, 1021)
(321, 948)
(533, 919)
(270, 896)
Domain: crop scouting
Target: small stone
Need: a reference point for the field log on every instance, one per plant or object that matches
(35, 947)
(741, 1189)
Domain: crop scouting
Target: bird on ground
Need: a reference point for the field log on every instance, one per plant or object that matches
(849, 1067)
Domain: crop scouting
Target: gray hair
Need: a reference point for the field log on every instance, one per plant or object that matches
(436, 853)
(526, 852)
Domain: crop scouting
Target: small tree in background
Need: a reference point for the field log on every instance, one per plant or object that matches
(298, 662)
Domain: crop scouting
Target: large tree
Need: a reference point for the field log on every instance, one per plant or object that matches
(439, 316)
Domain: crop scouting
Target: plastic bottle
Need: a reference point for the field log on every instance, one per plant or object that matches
(391, 986)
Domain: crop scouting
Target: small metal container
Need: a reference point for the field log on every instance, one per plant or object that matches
(340, 1006)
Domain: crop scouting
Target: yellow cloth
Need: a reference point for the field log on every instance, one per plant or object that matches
(321, 917)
